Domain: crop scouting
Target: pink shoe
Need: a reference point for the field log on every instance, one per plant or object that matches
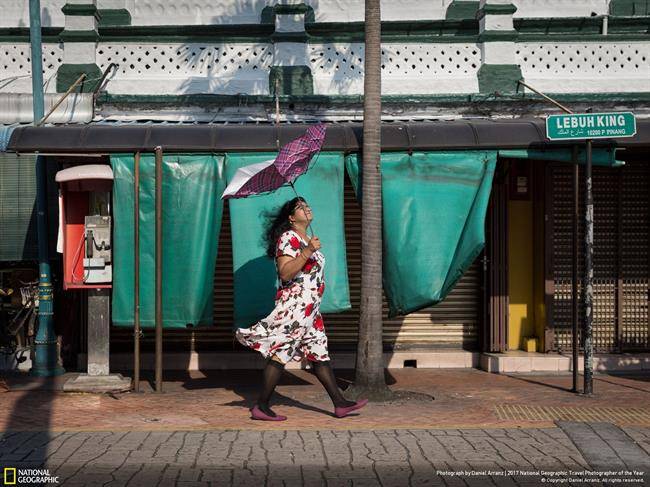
(256, 413)
(342, 412)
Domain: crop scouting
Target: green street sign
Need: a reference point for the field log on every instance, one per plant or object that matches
(590, 126)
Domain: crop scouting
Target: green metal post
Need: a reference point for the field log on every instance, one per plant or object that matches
(46, 357)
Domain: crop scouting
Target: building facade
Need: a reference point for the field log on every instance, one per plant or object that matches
(228, 62)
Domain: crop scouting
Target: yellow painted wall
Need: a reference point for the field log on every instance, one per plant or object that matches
(538, 255)
(521, 273)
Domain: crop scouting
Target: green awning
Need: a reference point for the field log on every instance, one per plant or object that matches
(434, 206)
(192, 213)
(254, 273)
(599, 156)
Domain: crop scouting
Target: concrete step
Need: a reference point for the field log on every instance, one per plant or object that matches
(447, 359)
(524, 362)
(500, 363)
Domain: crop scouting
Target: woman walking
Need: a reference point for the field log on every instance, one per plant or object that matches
(294, 330)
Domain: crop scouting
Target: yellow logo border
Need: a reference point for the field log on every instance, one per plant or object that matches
(9, 469)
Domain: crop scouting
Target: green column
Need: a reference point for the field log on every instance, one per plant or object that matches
(46, 359)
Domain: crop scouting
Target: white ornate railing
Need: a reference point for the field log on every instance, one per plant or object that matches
(16, 67)
(586, 67)
(187, 68)
(406, 68)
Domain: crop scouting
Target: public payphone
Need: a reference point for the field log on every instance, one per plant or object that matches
(85, 230)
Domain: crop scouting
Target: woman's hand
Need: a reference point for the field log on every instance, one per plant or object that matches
(289, 267)
(314, 244)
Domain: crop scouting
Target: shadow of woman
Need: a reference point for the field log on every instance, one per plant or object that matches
(246, 384)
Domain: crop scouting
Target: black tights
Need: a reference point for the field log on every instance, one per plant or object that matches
(322, 370)
(272, 374)
(325, 375)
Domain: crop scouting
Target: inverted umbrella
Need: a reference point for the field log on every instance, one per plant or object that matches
(292, 161)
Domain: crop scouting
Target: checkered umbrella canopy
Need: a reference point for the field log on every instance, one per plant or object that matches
(292, 161)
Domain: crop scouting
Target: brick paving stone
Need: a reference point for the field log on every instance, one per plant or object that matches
(217, 475)
(109, 441)
(605, 446)
(641, 436)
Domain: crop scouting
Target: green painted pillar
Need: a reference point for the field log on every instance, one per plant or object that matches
(79, 39)
(46, 355)
(291, 71)
(499, 71)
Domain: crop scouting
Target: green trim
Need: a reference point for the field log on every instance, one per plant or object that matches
(629, 7)
(500, 9)
(294, 80)
(21, 34)
(239, 100)
(289, 37)
(498, 78)
(114, 16)
(582, 26)
(268, 15)
(67, 74)
(289, 9)
(80, 9)
(418, 31)
(185, 33)
(400, 31)
(269, 12)
(573, 25)
(439, 31)
(498, 36)
(462, 10)
(79, 36)
(595, 38)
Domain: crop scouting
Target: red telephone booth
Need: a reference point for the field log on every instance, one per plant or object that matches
(85, 229)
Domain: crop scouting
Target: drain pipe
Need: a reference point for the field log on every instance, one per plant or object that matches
(102, 83)
(46, 354)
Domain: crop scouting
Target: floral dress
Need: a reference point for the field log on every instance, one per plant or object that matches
(294, 330)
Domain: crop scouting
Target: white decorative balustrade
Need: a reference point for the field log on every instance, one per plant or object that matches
(226, 69)
(406, 68)
(586, 67)
(16, 67)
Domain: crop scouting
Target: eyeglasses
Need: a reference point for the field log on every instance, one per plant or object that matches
(302, 206)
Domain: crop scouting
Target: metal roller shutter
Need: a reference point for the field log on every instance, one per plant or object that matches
(18, 208)
(451, 324)
(635, 250)
(621, 213)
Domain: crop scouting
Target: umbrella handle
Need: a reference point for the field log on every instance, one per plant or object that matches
(277, 114)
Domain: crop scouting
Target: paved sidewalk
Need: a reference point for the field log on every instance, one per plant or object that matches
(465, 398)
(198, 432)
(386, 458)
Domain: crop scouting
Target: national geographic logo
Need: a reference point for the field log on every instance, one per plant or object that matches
(10, 476)
(29, 476)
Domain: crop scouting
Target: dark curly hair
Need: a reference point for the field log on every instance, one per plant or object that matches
(278, 223)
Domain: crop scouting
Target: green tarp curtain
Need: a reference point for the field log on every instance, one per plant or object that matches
(434, 206)
(192, 210)
(255, 277)
(599, 156)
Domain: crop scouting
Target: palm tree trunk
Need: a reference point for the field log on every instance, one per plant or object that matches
(369, 380)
